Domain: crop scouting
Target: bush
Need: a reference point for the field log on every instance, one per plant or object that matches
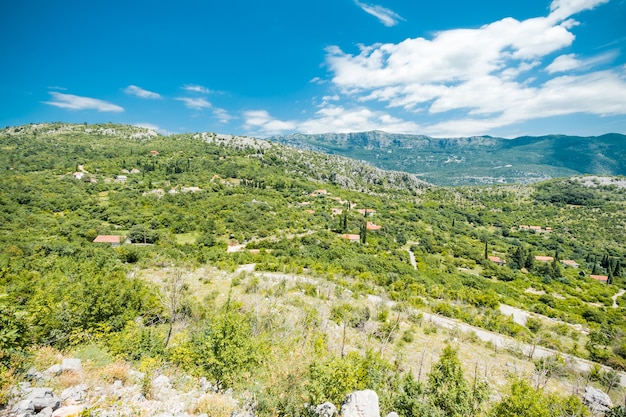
(225, 349)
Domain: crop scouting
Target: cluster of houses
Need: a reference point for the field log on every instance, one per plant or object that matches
(337, 211)
(569, 263)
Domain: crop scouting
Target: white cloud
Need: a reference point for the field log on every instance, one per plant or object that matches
(387, 17)
(195, 103)
(569, 62)
(562, 9)
(341, 120)
(563, 63)
(196, 88)
(152, 126)
(72, 102)
(133, 90)
(261, 121)
(222, 115)
(486, 77)
(328, 119)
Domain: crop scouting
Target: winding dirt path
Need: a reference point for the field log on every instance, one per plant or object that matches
(502, 342)
(616, 296)
(412, 257)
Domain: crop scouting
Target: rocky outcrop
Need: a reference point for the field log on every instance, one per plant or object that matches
(597, 400)
(35, 401)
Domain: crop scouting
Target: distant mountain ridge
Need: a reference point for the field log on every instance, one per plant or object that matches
(475, 159)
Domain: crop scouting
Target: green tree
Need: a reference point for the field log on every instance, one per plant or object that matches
(449, 391)
(225, 348)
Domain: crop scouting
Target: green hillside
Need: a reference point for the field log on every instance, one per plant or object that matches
(354, 258)
(476, 160)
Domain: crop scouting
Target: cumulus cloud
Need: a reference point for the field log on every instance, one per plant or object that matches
(195, 103)
(73, 102)
(387, 17)
(488, 75)
(328, 119)
(260, 121)
(196, 88)
(133, 90)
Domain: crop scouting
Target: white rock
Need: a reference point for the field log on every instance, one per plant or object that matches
(46, 412)
(53, 370)
(326, 410)
(71, 364)
(361, 404)
(69, 410)
(597, 400)
(161, 381)
(77, 393)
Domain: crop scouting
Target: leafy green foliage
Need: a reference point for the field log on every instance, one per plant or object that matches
(183, 204)
(448, 390)
(332, 378)
(224, 348)
(524, 401)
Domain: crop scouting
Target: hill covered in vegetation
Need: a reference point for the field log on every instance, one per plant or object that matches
(475, 160)
(297, 277)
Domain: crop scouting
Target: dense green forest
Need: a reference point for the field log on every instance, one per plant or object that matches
(185, 202)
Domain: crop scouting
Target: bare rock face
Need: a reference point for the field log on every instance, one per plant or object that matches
(361, 404)
(596, 400)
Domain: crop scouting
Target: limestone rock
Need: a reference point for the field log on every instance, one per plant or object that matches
(46, 412)
(24, 407)
(42, 398)
(597, 400)
(326, 410)
(52, 371)
(75, 394)
(361, 404)
(71, 365)
(69, 410)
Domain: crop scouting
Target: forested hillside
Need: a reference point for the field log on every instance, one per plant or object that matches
(299, 277)
(475, 160)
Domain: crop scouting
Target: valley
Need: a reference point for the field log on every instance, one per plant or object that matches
(298, 277)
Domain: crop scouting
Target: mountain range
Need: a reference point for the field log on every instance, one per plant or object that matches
(477, 159)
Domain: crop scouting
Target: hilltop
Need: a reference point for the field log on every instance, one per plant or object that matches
(284, 276)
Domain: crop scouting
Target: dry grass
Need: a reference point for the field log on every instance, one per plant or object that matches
(214, 405)
(67, 379)
(279, 295)
(116, 371)
(44, 357)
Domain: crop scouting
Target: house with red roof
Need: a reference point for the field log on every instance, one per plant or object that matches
(497, 260)
(372, 226)
(113, 240)
(351, 237)
(570, 263)
(540, 258)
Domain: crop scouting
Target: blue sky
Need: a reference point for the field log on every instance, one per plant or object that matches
(259, 68)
